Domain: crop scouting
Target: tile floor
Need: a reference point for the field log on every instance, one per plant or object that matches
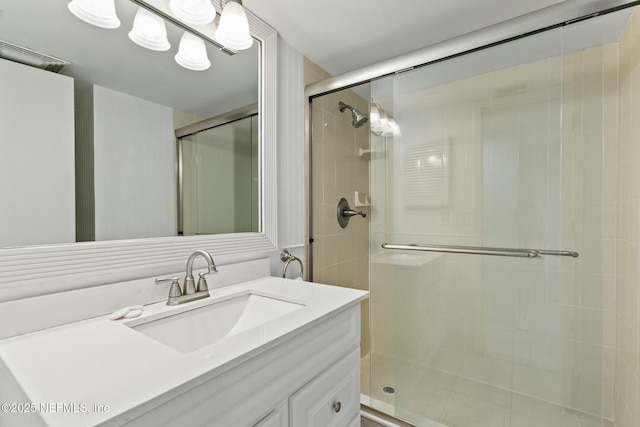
(441, 399)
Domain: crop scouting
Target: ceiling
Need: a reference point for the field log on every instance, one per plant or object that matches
(343, 35)
(339, 36)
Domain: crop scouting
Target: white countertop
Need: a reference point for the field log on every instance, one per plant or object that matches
(106, 363)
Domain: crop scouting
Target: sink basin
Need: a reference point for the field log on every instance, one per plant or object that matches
(191, 330)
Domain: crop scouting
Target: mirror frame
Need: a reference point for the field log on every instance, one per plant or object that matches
(37, 270)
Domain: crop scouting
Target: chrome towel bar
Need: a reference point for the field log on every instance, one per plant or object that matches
(476, 250)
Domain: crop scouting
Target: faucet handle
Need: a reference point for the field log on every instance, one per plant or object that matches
(174, 290)
(202, 283)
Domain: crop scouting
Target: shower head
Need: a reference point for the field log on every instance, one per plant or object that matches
(358, 118)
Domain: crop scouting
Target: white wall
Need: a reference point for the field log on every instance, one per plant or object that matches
(37, 156)
(134, 167)
(291, 205)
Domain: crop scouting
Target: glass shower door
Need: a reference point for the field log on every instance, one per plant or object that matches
(503, 148)
(218, 188)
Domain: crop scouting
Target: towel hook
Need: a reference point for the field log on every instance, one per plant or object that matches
(286, 257)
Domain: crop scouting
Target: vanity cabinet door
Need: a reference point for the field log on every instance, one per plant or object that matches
(355, 422)
(274, 419)
(332, 399)
(247, 414)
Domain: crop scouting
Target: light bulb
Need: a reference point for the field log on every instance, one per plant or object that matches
(101, 13)
(233, 30)
(382, 124)
(192, 53)
(193, 12)
(149, 31)
(374, 114)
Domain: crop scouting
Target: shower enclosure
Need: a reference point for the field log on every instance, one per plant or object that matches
(218, 173)
(501, 229)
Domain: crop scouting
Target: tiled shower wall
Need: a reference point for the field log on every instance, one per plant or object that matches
(627, 379)
(340, 256)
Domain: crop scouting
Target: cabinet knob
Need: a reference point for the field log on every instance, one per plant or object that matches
(337, 406)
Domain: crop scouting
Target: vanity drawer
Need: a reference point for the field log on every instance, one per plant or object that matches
(332, 399)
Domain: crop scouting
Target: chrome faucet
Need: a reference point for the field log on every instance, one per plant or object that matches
(189, 291)
(189, 287)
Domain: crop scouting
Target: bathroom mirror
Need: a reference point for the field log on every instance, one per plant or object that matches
(119, 65)
(128, 100)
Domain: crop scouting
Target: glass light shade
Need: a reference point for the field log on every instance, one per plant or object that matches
(193, 12)
(382, 124)
(392, 129)
(149, 31)
(192, 53)
(233, 30)
(101, 13)
(374, 114)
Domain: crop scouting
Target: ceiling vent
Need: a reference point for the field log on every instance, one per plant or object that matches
(30, 57)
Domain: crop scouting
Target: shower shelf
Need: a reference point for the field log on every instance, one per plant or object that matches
(361, 199)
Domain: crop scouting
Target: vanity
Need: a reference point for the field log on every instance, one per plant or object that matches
(264, 352)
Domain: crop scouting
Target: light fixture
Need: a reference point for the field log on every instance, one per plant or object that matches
(382, 123)
(192, 53)
(149, 31)
(194, 12)
(374, 113)
(392, 129)
(233, 29)
(101, 13)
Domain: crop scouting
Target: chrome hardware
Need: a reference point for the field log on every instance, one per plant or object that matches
(475, 250)
(358, 118)
(202, 283)
(345, 213)
(337, 406)
(189, 292)
(174, 290)
(189, 287)
(286, 257)
(558, 253)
